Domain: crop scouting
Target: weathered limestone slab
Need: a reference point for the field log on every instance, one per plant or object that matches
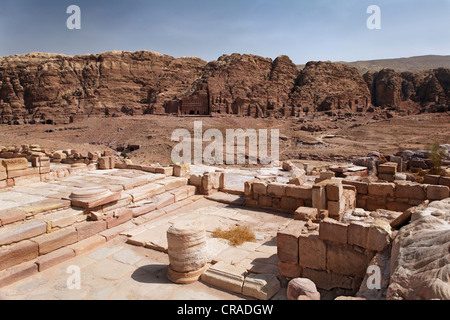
(87, 244)
(89, 198)
(146, 191)
(225, 276)
(167, 171)
(15, 164)
(45, 206)
(22, 173)
(53, 258)
(27, 180)
(119, 217)
(18, 253)
(90, 228)
(312, 252)
(287, 242)
(9, 216)
(55, 240)
(163, 200)
(17, 273)
(173, 183)
(333, 230)
(15, 233)
(261, 286)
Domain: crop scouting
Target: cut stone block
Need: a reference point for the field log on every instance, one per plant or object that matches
(9, 216)
(146, 192)
(305, 214)
(45, 206)
(330, 281)
(379, 235)
(225, 276)
(381, 189)
(18, 253)
(437, 192)
(312, 252)
(89, 198)
(22, 173)
(299, 192)
(119, 217)
(55, 240)
(27, 180)
(87, 244)
(260, 187)
(15, 233)
(168, 171)
(261, 286)
(388, 168)
(358, 233)
(163, 200)
(17, 273)
(345, 260)
(410, 191)
(276, 189)
(319, 197)
(90, 228)
(265, 201)
(334, 191)
(53, 258)
(173, 183)
(287, 242)
(289, 270)
(15, 164)
(106, 163)
(332, 230)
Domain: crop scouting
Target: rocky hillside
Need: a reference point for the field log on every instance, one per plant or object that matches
(40, 87)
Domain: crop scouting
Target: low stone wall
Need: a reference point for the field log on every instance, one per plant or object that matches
(397, 196)
(335, 257)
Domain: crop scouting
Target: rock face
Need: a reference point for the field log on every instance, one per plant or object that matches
(57, 87)
(324, 86)
(54, 88)
(426, 88)
(420, 258)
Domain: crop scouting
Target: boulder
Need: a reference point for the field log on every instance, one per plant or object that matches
(302, 287)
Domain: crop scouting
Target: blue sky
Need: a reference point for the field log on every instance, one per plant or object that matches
(304, 30)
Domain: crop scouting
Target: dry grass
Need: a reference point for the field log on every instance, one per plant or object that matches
(237, 235)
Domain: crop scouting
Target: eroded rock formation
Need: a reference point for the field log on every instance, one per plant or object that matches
(53, 88)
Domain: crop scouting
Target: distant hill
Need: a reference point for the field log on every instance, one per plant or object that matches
(411, 64)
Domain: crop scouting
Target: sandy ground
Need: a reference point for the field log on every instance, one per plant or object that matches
(340, 138)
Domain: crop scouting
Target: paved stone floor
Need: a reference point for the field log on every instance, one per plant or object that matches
(119, 270)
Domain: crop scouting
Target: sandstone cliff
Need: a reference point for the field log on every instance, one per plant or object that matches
(54, 88)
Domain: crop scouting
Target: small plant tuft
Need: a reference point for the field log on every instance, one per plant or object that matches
(237, 235)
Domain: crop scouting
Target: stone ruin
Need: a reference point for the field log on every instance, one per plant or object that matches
(338, 227)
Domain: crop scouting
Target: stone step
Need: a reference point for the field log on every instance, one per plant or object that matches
(227, 198)
(21, 231)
